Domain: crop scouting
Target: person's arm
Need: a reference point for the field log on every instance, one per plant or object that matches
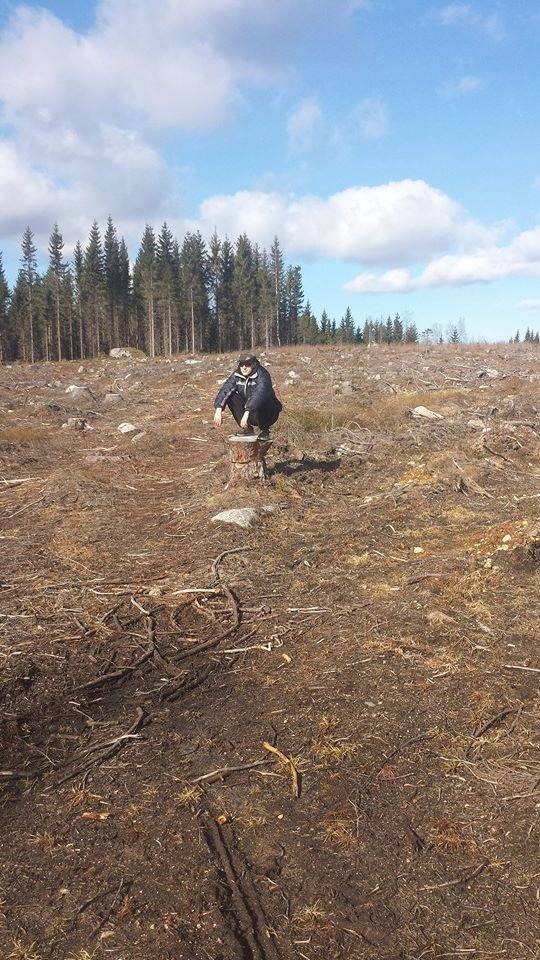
(262, 393)
(224, 392)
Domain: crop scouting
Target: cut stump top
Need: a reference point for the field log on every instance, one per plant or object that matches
(248, 439)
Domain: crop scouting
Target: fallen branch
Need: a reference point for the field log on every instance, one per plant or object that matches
(110, 749)
(222, 772)
(119, 674)
(295, 777)
(491, 723)
(226, 553)
(460, 880)
(516, 666)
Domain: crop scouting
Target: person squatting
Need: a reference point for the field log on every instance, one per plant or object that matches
(249, 395)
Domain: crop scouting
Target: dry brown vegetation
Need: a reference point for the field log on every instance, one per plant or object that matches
(379, 628)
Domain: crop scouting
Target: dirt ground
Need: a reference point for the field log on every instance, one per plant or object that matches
(377, 626)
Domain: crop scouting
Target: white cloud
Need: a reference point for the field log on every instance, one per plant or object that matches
(519, 258)
(304, 123)
(87, 112)
(371, 115)
(467, 15)
(390, 225)
(457, 14)
(532, 306)
(466, 84)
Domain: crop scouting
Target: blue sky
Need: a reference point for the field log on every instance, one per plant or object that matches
(393, 147)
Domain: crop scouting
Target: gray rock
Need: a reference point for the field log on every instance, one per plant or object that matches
(242, 517)
(77, 392)
(476, 424)
(119, 352)
(112, 398)
(126, 428)
(76, 423)
(419, 412)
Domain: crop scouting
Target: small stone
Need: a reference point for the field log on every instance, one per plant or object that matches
(76, 423)
(507, 538)
(112, 398)
(242, 517)
(190, 363)
(156, 592)
(138, 436)
(426, 414)
(488, 563)
(489, 372)
(476, 424)
(418, 550)
(293, 375)
(126, 428)
(75, 390)
(120, 352)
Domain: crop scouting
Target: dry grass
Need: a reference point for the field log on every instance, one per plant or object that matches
(311, 915)
(21, 952)
(189, 796)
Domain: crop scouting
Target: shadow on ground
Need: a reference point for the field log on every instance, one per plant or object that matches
(293, 466)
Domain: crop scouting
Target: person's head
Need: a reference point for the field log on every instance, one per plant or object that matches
(246, 364)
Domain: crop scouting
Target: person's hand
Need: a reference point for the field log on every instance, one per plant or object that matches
(217, 417)
(244, 420)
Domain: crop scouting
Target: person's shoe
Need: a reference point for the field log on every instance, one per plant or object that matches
(264, 436)
(245, 432)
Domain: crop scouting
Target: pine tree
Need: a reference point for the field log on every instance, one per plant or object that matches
(325, 327)
(93, 288)
(124, 293)
(55, 277)
(5, 344)
(293, 302)
(397, 329)
(144, 280)
(78, 267)
(111, 263)
(30, 276)
(265, 290)
(276, 267)
(165, 283)
(243, 290)
(308, 331)
(346, 327)
(180, 328)
(516, 338)
(215, 276)
(411, 333)
(194, 266)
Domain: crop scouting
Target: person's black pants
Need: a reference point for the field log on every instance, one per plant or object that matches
(263, 418)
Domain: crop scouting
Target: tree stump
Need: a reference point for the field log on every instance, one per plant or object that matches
(247, 459)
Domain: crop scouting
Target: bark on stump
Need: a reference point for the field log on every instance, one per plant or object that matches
(247, 459)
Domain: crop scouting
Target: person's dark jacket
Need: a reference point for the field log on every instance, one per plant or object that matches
(256, 390)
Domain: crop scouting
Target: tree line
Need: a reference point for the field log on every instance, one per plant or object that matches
(189, 296)
(530, 336)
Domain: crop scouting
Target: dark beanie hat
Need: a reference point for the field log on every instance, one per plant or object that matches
(247, 360)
